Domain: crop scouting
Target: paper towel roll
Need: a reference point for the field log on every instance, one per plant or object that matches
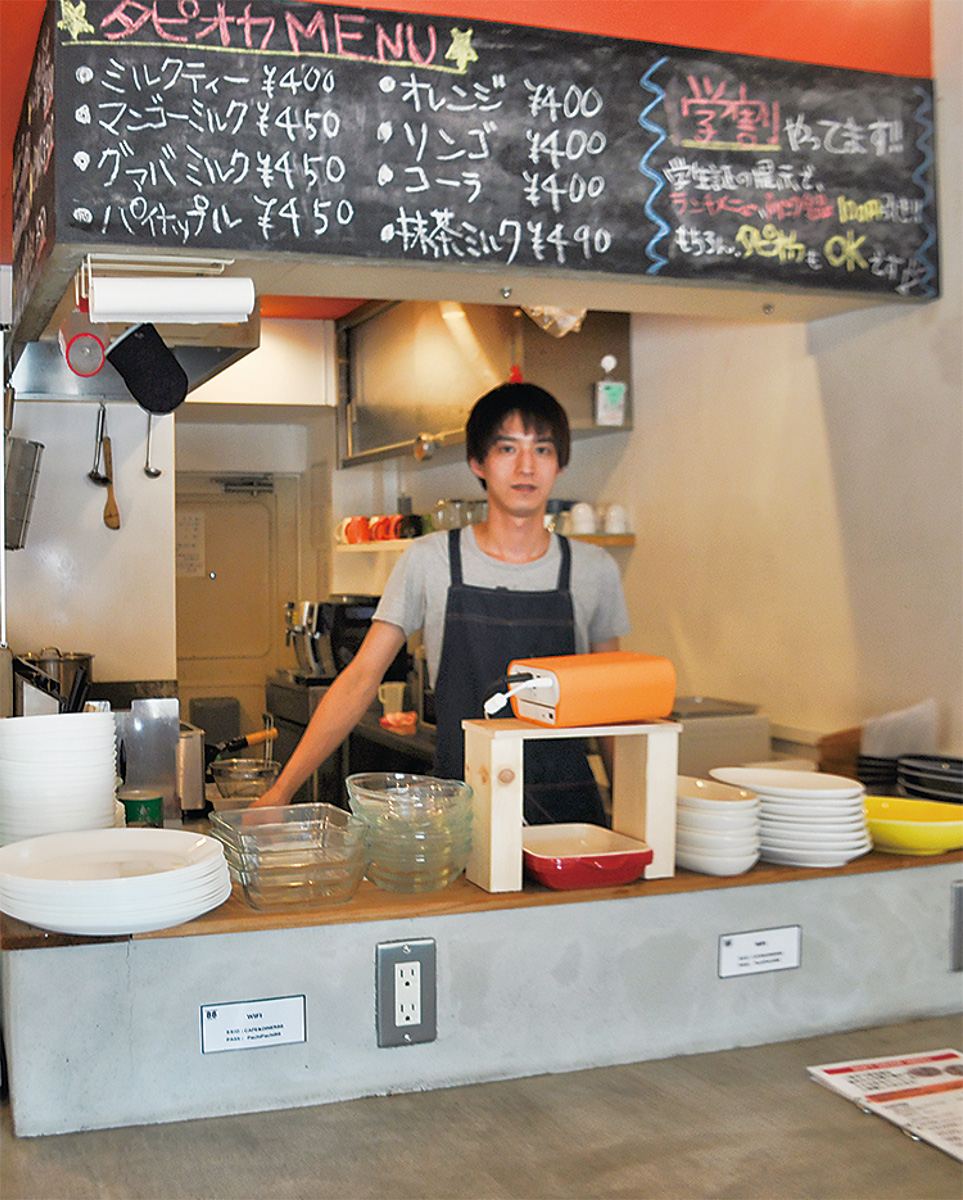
(185, 301)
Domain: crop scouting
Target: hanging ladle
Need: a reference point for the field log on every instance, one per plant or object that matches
(149, 471)
(94, 474)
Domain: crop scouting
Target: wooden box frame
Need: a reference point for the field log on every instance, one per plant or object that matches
(645, 766)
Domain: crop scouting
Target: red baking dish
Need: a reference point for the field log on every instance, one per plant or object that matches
(566, 857)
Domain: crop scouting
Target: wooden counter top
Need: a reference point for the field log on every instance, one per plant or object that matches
(373, 904)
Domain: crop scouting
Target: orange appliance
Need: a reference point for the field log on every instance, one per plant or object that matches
(592, 689)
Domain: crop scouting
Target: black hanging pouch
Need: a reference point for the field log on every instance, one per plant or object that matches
(154, 377)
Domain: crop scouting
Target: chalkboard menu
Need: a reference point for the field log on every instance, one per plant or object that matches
(251, 125)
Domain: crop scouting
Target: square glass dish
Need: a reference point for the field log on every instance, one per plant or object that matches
(299, 854)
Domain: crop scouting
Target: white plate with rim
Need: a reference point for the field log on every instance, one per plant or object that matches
(789, 784)
(139, 889)
(35, 912)
(808, 842)
(111, 923)
(192, 893)
(814, 836)
(106, 856)
(810, 858)
(819, 824)
(833, 809)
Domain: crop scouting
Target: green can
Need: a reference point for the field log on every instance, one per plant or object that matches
(143, 807)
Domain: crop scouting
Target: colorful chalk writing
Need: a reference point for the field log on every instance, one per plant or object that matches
(281, 125)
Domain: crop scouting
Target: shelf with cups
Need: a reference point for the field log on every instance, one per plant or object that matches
(604, 539)
(389, 545)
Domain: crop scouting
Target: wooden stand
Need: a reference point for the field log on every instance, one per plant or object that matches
(643, 792)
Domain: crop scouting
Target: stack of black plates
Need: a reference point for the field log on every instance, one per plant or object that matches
(878, 775)
(931, 777)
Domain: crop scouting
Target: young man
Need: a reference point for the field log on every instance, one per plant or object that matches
(483, 596)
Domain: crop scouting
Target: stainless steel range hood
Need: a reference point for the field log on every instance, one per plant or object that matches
(42, 374)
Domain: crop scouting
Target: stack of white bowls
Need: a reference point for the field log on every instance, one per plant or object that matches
(808, 818)
(717, 827)
(58, 773)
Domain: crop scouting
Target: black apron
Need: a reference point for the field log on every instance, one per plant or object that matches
(485, 629)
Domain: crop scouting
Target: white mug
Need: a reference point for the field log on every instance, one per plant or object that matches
(616, 519)
(392, 697)
(583, 518)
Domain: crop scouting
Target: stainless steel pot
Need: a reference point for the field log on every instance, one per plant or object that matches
(59, 666)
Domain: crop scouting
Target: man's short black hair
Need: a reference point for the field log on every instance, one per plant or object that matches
(539, 411)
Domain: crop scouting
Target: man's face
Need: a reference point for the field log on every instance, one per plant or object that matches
(519, 469)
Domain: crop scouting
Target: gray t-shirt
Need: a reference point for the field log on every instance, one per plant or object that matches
(416, 593)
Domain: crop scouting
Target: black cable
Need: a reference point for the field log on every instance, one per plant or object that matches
(505, 681)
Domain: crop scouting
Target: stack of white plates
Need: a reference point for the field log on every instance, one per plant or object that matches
(107, 882)
(57, 774)
(717, 827)
(807, 818)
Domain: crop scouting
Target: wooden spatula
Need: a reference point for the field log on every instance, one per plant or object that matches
(111, 511)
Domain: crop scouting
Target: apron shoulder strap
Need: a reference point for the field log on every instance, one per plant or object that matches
(565, 566)
(454, 556)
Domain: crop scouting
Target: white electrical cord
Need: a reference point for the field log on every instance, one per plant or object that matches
(494, 703)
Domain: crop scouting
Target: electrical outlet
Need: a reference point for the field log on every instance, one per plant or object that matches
(405, 992)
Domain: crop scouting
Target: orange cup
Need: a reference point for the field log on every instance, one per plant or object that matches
(379, 528)
(356, 530)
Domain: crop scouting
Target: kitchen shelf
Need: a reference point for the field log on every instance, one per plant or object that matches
(393, 545)
(373, 904)
(387, 546)
(604, 539)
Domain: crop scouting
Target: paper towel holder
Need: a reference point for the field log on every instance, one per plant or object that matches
(161, 300)
(164, 289)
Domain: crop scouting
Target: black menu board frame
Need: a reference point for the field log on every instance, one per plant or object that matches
(273, 126)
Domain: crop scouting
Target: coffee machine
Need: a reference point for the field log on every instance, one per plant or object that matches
(327, 634)
(302, 630)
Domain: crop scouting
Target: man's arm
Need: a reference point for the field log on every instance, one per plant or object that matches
(340, 710)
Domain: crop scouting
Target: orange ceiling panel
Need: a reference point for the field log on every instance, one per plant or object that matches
(307, 308)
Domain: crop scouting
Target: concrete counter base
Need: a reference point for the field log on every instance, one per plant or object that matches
(102, 1034)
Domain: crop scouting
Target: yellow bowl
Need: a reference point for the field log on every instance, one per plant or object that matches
(900, 826)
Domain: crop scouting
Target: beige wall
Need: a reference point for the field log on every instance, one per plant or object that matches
(77, 584)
